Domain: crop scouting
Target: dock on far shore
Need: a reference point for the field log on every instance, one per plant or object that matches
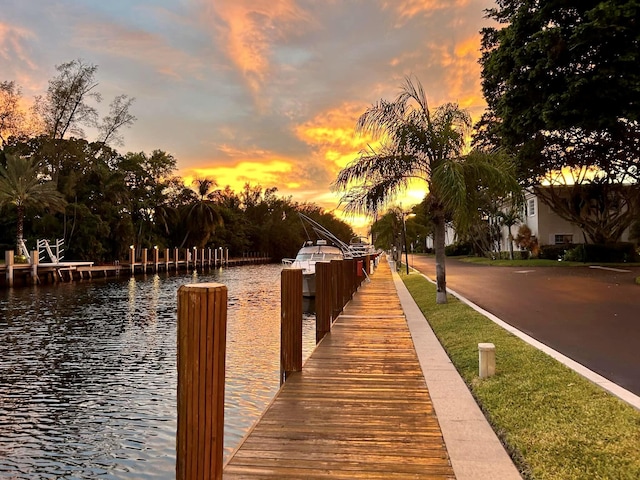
(148, 261)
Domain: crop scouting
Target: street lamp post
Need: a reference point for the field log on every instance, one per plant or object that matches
(404, 232)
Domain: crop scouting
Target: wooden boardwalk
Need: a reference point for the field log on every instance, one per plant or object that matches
(359, 409)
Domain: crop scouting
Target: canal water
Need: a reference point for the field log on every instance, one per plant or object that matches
(88, 372)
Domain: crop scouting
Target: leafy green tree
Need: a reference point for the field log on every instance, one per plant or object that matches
(562, 83)
(418, 143)
(22, 186)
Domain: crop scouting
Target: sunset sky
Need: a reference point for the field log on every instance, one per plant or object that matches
(258, 91)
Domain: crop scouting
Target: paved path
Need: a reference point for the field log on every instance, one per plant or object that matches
(590, 315)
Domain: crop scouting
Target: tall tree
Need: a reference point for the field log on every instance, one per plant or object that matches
(65, 108)
(428, 145)
(562, 83)
(22, 186)
(11, 115)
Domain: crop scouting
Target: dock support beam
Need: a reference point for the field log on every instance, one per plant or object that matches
(202, 332)
(291, 322)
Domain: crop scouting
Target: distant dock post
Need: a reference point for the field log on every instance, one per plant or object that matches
(9, 260)
(132, 258)
(202, 332)
(291, 322)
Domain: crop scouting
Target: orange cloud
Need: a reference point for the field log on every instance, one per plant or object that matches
(11, 44)
(410, 8)
(270, 172)
(138, 45)
(462, 73)
(331, 135)
(249, 30)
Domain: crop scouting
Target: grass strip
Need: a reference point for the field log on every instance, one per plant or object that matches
(554, 423)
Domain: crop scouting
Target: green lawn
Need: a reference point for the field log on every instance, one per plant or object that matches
(554, 423)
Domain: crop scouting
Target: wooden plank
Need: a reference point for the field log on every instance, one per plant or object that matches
(359, 408)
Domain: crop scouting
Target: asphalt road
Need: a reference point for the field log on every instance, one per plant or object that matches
(591, 315)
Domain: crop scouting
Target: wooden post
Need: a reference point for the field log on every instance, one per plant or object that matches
(346, 281)
(9, 260)
(156, 258)
(166, 260)
(176, 257)
(202, 332)
(323, 299)
(145, 259)
(336, 288)
(290, 321)
(132, 259)
(35, 259)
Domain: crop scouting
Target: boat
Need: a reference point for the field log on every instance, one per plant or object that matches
(359, 247)
(306, 259)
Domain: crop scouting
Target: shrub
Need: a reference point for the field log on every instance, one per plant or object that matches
(613, 252)
(458, 249)
(555, 252)
(524, 239)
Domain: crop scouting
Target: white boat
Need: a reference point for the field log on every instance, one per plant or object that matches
(306, 260)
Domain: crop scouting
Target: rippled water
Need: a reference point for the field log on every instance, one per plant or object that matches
(88, 372)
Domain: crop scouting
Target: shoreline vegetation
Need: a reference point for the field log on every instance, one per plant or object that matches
(553, 422)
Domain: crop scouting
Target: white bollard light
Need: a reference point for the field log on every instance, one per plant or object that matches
(487, 359)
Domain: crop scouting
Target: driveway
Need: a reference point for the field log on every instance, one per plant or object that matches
(591, 315)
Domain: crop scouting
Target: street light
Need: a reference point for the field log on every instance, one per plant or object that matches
(406, 215)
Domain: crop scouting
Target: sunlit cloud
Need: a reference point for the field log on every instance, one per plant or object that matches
(138, 45)
(410, 8)
(250, 28)
(252, 170)
(14, 51)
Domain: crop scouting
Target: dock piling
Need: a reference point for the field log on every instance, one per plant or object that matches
(202, 327)
(291, 322)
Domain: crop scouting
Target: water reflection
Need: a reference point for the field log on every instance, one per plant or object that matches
(88, 372)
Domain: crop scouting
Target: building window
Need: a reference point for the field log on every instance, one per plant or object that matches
(563, 238)
(531, 207)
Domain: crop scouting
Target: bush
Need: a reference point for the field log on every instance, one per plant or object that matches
(612, 252)
(603, 253)
(555, 252)
(458, 249)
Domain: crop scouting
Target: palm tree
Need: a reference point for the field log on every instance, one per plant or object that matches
(417, 143)
(22, 185)
(508, 219)
(202, 215)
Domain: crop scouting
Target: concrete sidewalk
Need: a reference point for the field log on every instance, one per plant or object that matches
(474, 449)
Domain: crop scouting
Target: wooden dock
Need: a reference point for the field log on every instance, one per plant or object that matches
(360, 408)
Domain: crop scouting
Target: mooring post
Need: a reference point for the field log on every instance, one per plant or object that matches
(323, 299)
(34, 268)
(202, 333)
(156, 258)
(132, 259)
(336, 288)
(290, 322)
(9, 259)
